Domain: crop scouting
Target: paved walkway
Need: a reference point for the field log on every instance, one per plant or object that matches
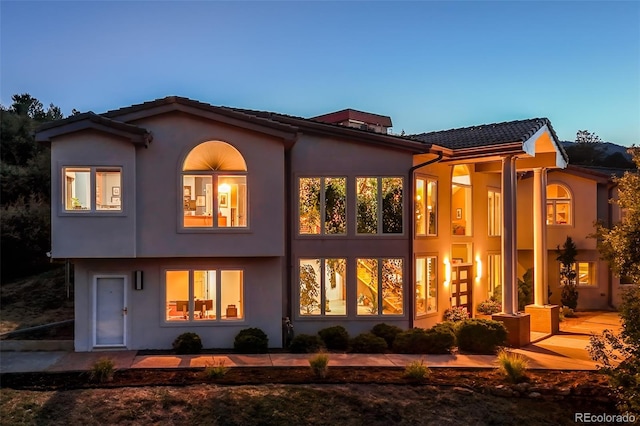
(564, 351)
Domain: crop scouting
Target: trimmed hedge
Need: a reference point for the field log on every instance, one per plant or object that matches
(251, 341)
(187, 343)
(387, 332)
(335, 338)
(436, 340)
(368, 343)
(305, 343)
(480, 335)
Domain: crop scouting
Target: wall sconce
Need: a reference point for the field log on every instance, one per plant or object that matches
(137, 280)
(478, 269)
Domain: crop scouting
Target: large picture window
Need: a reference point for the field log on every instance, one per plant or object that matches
(558, 205)
(204, 295)
(322, 205)
(214, 187)
(379, 205)
(323, 287)
(87, 189)
(426, 207)
(380, 285)
(426, 285)
(461, 201)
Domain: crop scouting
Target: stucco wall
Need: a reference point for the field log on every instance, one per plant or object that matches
(315, 156)
(146, 326)
(160, 191)
(93, 234)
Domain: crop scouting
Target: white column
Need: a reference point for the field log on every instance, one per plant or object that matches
(539, 236)
(509, 237)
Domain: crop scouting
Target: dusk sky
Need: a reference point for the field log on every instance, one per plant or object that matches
(429, 65)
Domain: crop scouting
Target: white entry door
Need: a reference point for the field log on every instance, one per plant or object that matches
(110, 311)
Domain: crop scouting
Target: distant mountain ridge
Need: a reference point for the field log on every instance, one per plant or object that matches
(607, 148)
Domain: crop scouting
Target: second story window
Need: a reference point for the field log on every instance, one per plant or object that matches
(558, 205)
(461, 200)
(92, 189)
(379, 205)
(426, 207)
(322, 204)
(214, 186)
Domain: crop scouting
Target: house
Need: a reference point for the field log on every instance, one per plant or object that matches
(182, 216)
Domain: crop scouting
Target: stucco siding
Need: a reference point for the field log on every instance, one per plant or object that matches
(93, 233)
(146, 327)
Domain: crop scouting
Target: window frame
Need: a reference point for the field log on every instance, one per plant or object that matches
(214, 175)
(553, 201)
(323, 292)
(380, 297)
(468, 207)
(426, 312)
(380, 206)
(92, 210)
(191, 321)
(592, 274)
(417, 203)
(494, 229)
(322, 211)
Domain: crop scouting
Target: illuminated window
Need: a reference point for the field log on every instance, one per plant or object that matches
(379, 283)
(494, 275)
(461, 201)
(214, 185)
(558, 205)
(204, 295)
(373, 192)
(426, 285)
(106, 183)
(322, 198)
(586, 275)
(426, 207)
(323, 287)
(495, 213)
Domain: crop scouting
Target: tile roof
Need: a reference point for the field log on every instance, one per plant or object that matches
(487, 134)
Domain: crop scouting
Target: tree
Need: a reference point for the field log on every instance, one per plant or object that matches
(25, 186)
(567, 258)
(585, 136)
(309, 289)
(620, 245)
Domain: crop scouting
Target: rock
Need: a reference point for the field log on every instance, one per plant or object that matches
(563, 391)
(462, 390)
(522, 387)
(535, 395)
(502, 390)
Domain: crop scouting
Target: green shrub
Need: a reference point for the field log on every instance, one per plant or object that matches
(489, 307)
(305, 343)
(437, 340)
(417, 371)
(368, 343)
(251, 341)
(215, 370)
(187, 343)
(513, 365)
(480, 336)
(102, 370)
(319, 365)
(387, 332)
(335, 338)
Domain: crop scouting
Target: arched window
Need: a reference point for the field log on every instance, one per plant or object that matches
(214, 185)
(461, 200)
(558, 205)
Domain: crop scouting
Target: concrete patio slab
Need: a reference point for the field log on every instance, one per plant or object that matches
(83, 361)
(25, 362)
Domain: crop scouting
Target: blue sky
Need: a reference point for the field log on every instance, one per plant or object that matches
(428, 65)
